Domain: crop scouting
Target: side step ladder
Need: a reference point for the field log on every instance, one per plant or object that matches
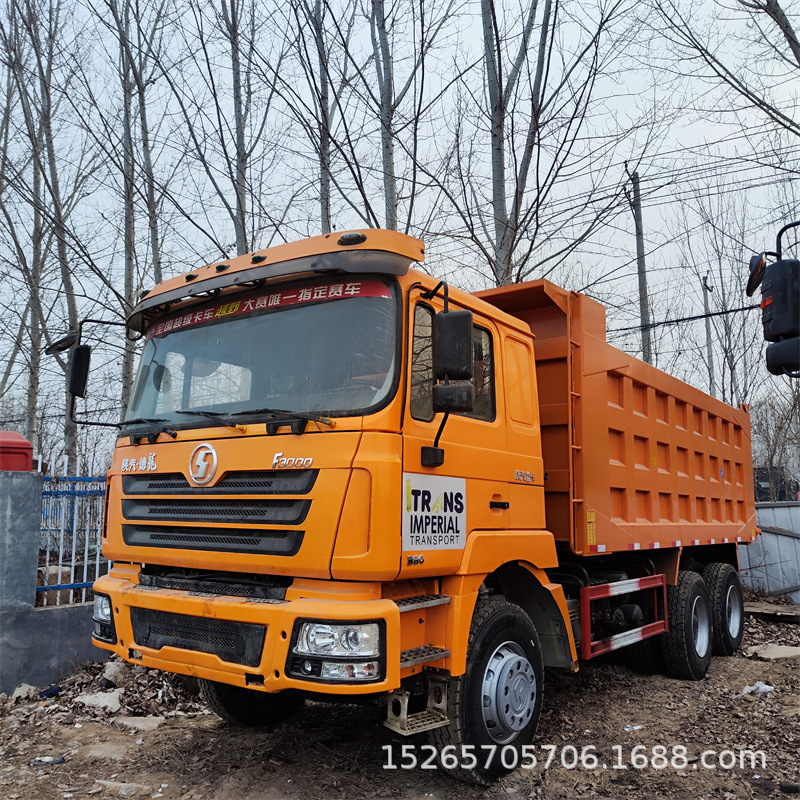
(398, 718)
(434, 716)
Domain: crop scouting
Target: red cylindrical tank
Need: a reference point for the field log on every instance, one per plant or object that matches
(16, 452)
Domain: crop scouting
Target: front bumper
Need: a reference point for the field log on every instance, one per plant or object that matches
(264, 671)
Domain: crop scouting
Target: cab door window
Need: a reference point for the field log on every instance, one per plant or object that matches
(422, 376)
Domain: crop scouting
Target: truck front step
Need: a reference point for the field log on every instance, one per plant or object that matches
(421, 601)
(417, 723)
(434, 716)
(422, 655)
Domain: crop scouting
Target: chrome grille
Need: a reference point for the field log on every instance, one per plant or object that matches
(164, 510)
(296, 481)
(264, 512)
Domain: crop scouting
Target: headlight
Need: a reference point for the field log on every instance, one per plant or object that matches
(329, 639)
(102, 608)
(104, 629)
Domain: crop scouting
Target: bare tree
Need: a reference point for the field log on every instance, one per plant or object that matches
(364, 101)
(311, 84)
(760, 66)
(716, 229)
(541, 71)
(31, 40)
(138, 31)
(776, 428)
(226, 116)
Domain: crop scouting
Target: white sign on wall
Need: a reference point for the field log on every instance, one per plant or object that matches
(434, 512)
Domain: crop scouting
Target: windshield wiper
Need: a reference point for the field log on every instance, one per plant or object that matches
(140, 420)
(218, 418)
(300, 417)
(152, 435)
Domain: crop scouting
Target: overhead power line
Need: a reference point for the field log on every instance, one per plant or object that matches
(684, 319)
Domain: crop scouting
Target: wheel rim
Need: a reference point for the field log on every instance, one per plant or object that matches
(701, 626)
(733, 611)
(508, 692)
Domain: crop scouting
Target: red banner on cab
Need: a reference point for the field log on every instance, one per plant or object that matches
(270, 300)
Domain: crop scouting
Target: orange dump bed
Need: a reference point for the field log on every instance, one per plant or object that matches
(635, 459)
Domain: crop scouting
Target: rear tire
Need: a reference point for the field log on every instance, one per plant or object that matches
(247, 707)
(645, 657)
(687, 646)
(497, 701)
(727, 607)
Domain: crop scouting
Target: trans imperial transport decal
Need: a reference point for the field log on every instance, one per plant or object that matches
(434, 512)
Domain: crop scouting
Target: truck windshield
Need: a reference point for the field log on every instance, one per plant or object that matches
(328, 348)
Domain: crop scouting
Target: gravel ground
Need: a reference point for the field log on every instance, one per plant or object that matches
(162, 742)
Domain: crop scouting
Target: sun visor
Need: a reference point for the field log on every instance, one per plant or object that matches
(347, 261)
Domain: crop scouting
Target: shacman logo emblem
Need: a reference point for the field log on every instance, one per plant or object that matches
(203, 463)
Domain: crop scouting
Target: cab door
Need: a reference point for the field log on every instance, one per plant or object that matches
(470, 490)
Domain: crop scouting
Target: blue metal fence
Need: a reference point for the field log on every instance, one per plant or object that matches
(71, 537)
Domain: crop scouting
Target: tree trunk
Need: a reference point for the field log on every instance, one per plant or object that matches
(384, 68)
(129, 231)
(324, 121)
(231, 15)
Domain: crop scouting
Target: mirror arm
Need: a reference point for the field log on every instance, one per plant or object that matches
(780, 234)
(432, 293)
(97, 322)
(441, 428)
(72, 418)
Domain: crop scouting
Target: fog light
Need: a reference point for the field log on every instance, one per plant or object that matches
(342, 671)
(306, 667)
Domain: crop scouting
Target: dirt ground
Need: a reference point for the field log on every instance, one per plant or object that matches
(162, 742)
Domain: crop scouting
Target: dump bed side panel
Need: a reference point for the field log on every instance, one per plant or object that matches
(635, 458)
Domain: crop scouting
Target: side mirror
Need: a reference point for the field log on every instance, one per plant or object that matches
(453, 360)
(452, 345)
(757, 265)
(79, 370)
(64, 343)
(784, 357)
(455, 398)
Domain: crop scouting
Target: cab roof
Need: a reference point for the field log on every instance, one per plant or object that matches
(368, 250)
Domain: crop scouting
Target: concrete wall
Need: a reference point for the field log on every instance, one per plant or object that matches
(37, 645)
(772, 562)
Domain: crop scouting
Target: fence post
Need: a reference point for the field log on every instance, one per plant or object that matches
(20, 520)
(37, 645)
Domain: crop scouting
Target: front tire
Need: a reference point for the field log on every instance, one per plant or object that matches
(249, 708)
(727, 606)
(687, 646)
(497, 701)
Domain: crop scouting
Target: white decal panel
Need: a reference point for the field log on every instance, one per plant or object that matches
(434, 512)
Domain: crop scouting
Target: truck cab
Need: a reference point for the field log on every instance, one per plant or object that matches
(330, 480)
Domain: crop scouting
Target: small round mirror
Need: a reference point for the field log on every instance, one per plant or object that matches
(757, 266)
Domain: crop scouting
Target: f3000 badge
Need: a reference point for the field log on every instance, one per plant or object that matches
(279, 462)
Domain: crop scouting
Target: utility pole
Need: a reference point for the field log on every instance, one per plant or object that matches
(709, 351)
(644, 309)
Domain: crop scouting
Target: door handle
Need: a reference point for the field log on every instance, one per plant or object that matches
(499, 504)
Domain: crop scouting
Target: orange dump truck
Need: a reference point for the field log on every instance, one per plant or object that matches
(339, 476)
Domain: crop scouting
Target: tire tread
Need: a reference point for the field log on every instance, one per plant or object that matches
(252, 710)
(715, 576)
(453, 734)
(675, 642)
